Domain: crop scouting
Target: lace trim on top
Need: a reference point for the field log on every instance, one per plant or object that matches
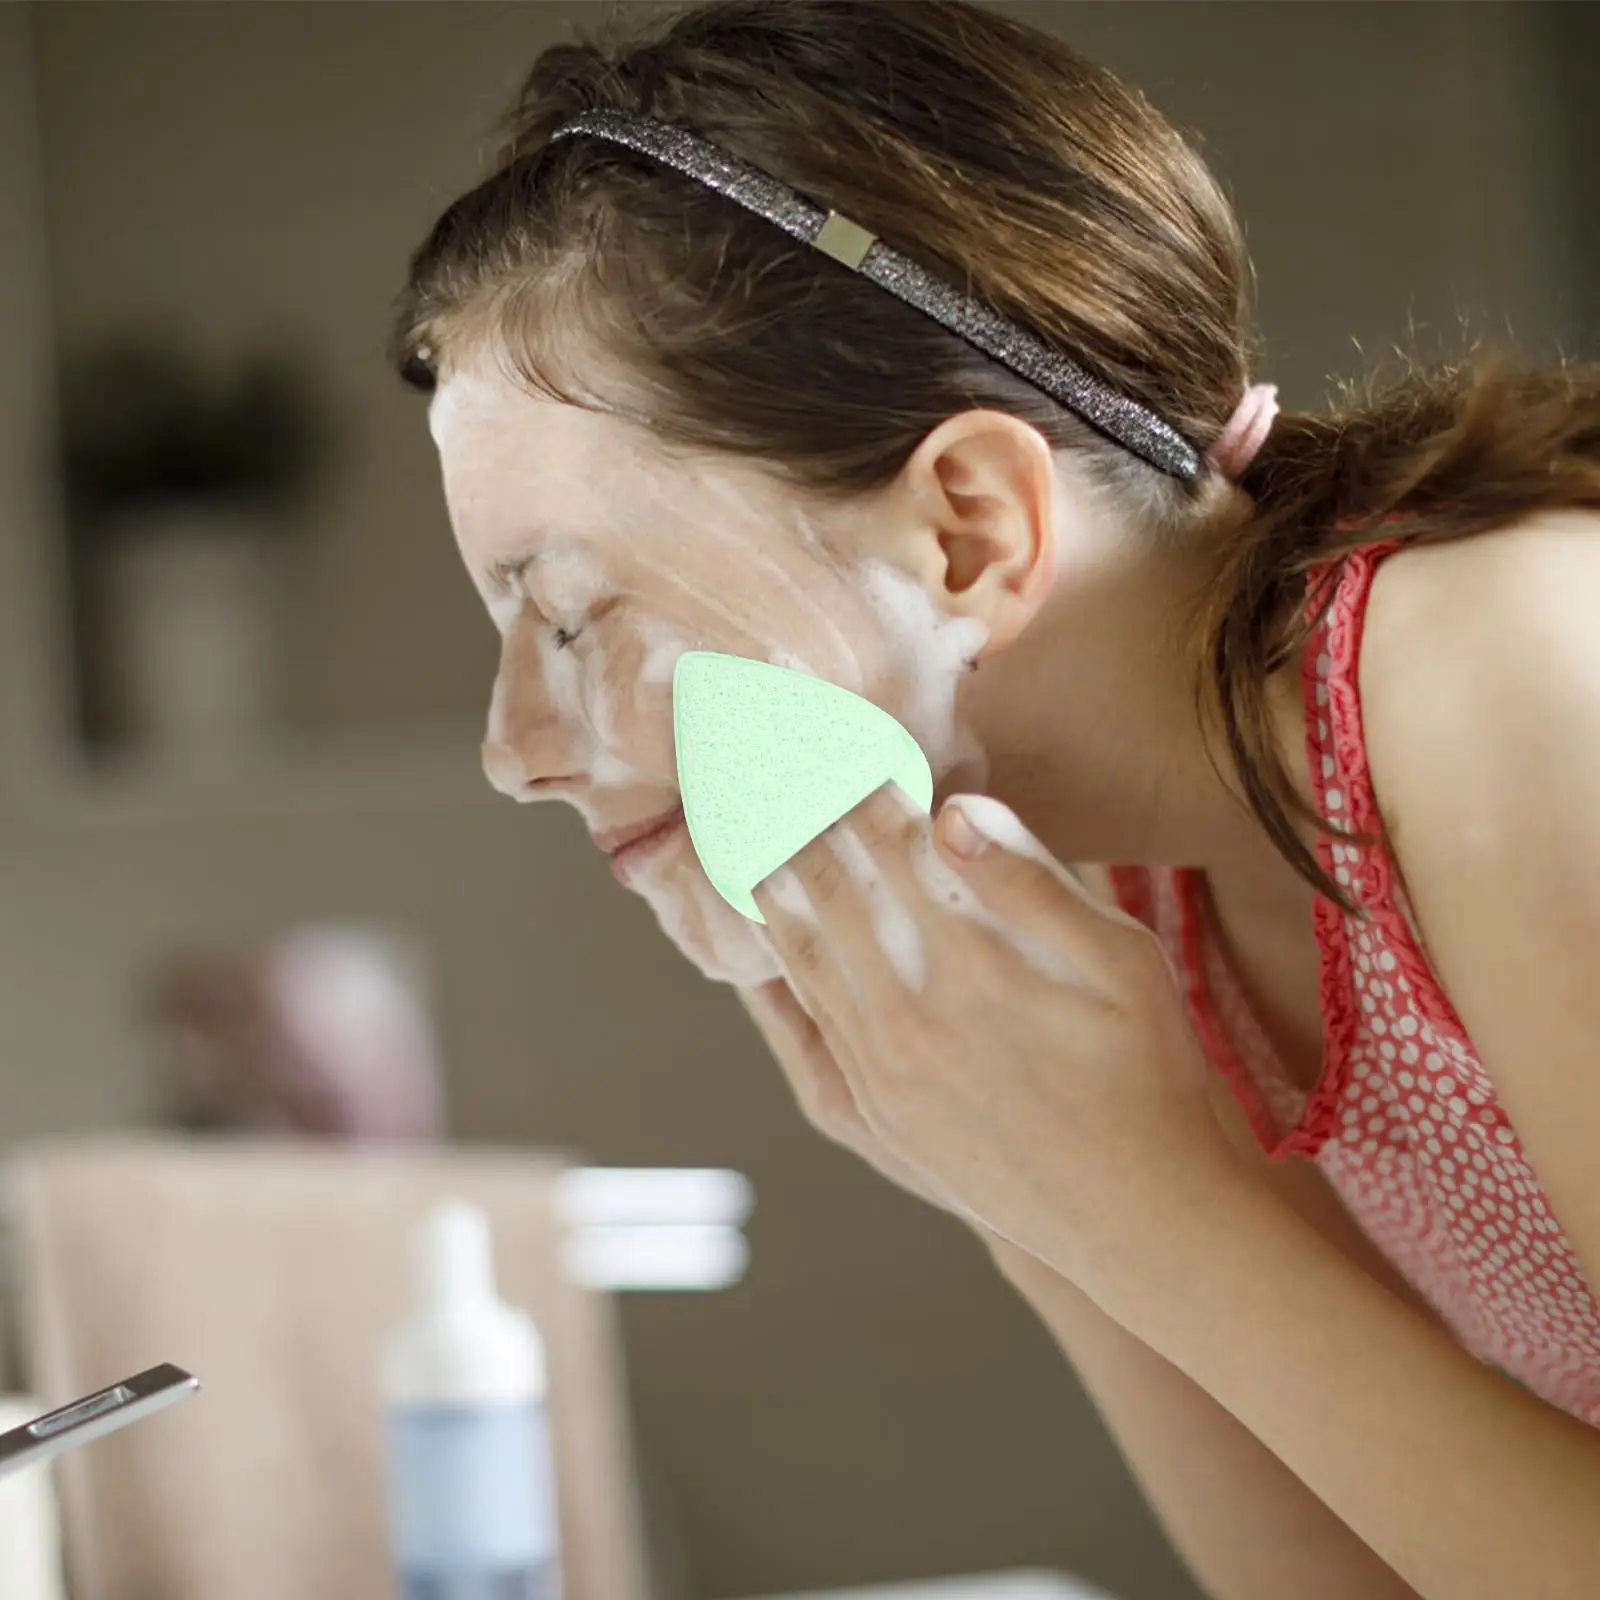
(1343, 794)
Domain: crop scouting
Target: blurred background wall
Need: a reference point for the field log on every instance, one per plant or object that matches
(870, 1403)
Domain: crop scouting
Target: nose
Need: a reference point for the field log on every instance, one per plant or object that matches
(505, 770)
(529, 750)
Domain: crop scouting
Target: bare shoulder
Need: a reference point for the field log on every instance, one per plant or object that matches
(1438, 608)
(1481, 705)
(1428, 586)
(1480, 658)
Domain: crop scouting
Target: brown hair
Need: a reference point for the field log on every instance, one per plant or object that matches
(997, 156)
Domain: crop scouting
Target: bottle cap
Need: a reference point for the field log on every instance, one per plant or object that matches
(461, 1345)
(455, 1261)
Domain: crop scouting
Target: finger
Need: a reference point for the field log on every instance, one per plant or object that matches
(1017, 880)
(795, 933)
(858, 875)
(810, 974)
(830, 994)
(822, 1092)
(803, 1055)
(899, 836)
(891, 828)
(829, 979)
(888, 839)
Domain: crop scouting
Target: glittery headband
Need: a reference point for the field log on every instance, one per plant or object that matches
(1134, 426)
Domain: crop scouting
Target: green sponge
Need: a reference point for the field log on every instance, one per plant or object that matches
(768, 758)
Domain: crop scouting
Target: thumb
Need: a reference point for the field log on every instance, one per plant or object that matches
(1011, 870)
(969, 824)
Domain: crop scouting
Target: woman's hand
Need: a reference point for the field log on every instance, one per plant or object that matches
(822, 1089)
(1016, 1049)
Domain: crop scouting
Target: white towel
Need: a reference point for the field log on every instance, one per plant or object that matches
(30, 1529)
(273, 1272)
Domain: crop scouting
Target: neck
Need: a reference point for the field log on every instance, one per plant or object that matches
(1094, 736)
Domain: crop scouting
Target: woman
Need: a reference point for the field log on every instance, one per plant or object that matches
(1288, 1130)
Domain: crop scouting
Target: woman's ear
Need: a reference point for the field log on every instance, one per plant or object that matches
(982, 488)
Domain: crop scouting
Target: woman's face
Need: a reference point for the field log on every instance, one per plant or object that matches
(601, 560)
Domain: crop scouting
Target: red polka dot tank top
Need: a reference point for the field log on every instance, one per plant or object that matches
(1403, 1120)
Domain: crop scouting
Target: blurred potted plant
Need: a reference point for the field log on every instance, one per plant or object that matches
(181, 490)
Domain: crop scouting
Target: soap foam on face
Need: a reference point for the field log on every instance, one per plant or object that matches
(578, 687)
(662, 647)
(931, 650)
(928, 654)
(688, 547)
(724, 945)
(790, 662)
(747, 549)
(570, 579)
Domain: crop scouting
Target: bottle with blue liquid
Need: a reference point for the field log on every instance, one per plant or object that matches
(472, 1504)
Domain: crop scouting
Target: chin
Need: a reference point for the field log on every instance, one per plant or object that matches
(723, 945)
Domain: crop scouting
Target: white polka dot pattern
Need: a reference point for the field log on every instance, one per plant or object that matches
(1404, 1121)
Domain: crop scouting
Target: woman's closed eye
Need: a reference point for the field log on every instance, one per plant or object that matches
(566, 633)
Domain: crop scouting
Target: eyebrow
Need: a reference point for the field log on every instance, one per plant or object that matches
(503, 575)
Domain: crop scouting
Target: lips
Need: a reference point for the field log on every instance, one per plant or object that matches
(614, 840)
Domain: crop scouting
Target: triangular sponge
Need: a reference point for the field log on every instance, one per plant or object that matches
(768, 758)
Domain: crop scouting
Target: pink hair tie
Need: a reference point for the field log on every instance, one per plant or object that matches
(1246, 431)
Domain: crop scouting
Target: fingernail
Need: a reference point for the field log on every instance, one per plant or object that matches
(959, 833)
(998, 823)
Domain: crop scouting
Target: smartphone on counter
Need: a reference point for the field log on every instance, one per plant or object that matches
(94, 1416)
